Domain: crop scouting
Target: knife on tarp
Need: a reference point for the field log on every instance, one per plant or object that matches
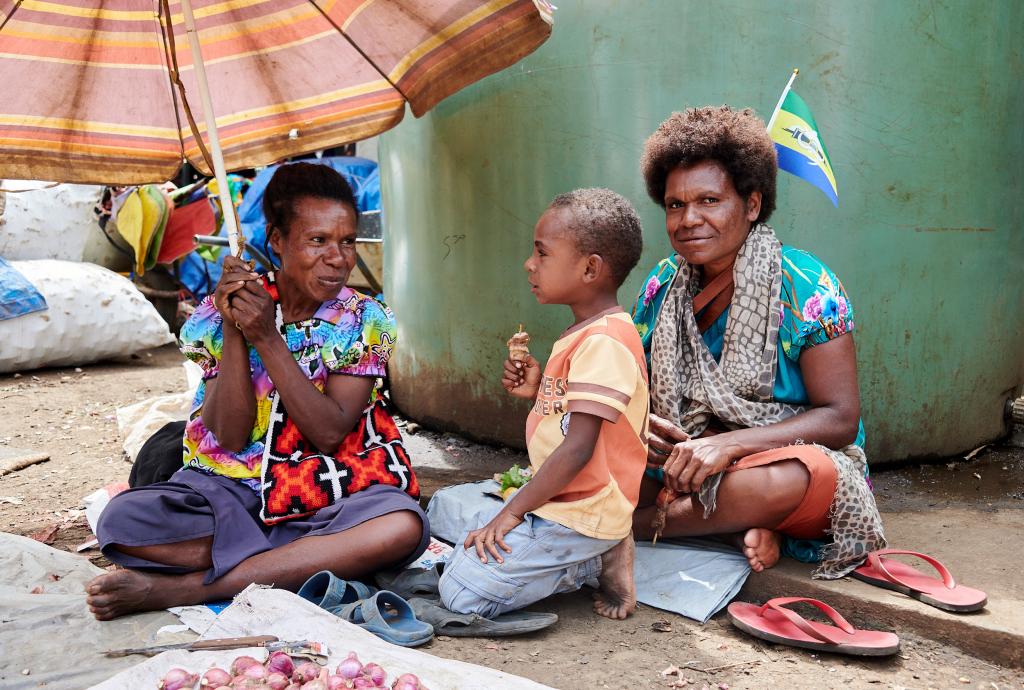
(314, 651)
(198, 645)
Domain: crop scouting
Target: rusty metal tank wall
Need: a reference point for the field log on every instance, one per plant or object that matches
(921, 108)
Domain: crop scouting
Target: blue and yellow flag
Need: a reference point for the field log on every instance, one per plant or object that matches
(801, 151)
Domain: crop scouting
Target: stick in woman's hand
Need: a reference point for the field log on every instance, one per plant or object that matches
(665, 497)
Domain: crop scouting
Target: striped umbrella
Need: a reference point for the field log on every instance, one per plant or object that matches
(103, 91)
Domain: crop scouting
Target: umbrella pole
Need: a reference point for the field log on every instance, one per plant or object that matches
(223, 192)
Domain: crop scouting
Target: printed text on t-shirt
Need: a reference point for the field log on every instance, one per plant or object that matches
(550, 387)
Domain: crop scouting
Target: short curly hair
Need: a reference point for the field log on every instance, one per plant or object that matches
(737, 139)
(606, 224)
(294, 181)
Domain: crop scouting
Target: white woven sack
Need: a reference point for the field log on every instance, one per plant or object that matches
(93, 314)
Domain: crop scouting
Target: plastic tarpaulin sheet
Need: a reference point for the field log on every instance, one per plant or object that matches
(694, 578)
(362, 174)
(51, 634)
(17, 295)
(260, 611)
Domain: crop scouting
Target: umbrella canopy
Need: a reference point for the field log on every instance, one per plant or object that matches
(102, 91)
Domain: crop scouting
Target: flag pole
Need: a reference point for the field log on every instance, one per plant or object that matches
(778, 106)
(227, 206)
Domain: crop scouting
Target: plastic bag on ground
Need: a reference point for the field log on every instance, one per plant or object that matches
(93, 314)
(139, 421)
(695, 578)
(17, 296)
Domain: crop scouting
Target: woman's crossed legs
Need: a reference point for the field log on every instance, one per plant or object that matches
(751, 503)
(353, 553)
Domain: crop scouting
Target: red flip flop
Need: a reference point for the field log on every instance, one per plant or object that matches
(775, 623)
(942, 593)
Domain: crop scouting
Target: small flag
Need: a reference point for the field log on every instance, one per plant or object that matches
(798, 143)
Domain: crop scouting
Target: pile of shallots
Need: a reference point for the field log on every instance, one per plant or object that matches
(282, 673)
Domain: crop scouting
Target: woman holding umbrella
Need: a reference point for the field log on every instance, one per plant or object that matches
(292, 465)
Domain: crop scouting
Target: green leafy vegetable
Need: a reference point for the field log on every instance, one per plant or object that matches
(515, 477)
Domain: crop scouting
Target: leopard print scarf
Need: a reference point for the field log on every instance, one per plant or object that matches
(689, 388)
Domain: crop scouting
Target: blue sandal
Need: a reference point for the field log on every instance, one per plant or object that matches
(389, 617)
(412, 582)
(328, 591)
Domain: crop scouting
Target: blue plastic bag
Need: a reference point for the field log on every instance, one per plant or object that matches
(17, 296)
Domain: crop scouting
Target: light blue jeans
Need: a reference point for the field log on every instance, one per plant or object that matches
(546, 559)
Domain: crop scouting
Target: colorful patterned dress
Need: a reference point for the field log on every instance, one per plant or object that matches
(353, 334)
(219, 493)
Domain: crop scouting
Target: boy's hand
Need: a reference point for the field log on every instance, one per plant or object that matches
(522, 378)
(493, 533)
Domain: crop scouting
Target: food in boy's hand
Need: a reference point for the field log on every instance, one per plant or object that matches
(517, 349)
(247, 672)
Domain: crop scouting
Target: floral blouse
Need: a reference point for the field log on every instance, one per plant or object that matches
(815, 309)
(352, 334)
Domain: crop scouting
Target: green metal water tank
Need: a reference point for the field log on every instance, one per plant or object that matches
(919, 103)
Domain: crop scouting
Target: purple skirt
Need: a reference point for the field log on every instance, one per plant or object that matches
(191, 505)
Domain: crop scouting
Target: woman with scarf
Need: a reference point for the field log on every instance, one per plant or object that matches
(291, 463)
(755, 424)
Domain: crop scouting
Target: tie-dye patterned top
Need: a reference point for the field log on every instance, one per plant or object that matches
(353, 334)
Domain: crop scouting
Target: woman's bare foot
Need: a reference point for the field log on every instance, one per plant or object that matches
(617, 596)
(121, 592)
(762, 547)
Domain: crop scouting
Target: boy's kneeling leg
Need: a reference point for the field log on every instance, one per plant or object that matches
(546, 559)
(456, 596)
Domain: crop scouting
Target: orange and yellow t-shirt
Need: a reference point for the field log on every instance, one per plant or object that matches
(598, 368)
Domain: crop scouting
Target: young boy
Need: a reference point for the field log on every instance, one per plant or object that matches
(571, 524)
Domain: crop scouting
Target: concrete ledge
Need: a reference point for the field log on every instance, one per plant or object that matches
(995, 634)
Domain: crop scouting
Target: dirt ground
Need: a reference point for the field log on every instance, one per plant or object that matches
(70, 414)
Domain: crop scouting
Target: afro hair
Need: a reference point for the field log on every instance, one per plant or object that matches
(736, 139)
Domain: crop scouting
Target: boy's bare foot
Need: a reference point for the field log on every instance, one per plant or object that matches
(617, 596)
(121, 592)
(762, 548)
